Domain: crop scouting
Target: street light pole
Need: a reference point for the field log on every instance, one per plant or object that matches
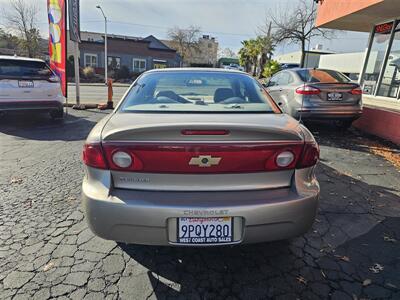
(105, 46)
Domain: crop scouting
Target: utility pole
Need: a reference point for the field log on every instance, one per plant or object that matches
(105, 46)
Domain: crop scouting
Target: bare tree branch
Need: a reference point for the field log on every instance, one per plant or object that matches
(297, 25)
(186, 41)
(22, 17)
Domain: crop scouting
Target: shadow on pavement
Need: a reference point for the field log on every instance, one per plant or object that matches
(356, 231)
(41, 127)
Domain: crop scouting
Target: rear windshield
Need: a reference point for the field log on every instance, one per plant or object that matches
(10, 68)
(206, 92)
(323, 76)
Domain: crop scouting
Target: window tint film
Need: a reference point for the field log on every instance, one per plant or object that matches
(323, 76)
(197, 92)
(25, 69)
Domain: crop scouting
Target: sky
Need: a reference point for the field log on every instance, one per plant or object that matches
(230, 21)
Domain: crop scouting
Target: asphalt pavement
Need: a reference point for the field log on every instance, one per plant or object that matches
(96, 93)
(47, 250)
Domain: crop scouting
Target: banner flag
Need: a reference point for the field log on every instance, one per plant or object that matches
(74, 21)
(58, 40)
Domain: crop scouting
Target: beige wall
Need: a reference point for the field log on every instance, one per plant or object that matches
(344, 62)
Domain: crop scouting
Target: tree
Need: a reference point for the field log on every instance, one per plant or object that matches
(244, 57)
(271, 67)
(227, 53)
(266, 47)
(248, 55)
(185, 41)
(297, 25)
(7, 40)
(22, 17)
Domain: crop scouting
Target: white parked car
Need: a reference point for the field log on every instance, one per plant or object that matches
(28, 84)
(234, 67)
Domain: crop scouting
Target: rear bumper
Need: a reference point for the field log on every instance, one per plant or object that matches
(329, 113)
(149, 217)
(46, 105)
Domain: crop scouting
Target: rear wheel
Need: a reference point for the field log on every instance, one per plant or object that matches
(57, 114)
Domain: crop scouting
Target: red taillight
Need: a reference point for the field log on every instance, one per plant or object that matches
(310, 155)
(93, 156)
(307, 90)
(357, 91)
(204, 132)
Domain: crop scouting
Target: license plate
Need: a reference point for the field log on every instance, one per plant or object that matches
(25, 84)
(335, 96)
(205, 230)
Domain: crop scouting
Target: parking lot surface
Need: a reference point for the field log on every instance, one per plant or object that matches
(47, 251)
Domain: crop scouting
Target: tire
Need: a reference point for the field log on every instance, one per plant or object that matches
(57, 114)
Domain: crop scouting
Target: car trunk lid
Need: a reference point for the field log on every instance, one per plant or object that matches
(177, 151)
(333, 94)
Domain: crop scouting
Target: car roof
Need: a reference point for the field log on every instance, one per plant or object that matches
(168, 70)
(20, 58)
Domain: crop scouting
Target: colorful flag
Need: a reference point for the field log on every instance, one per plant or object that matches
(58, 41)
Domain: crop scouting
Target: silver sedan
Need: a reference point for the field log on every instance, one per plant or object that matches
(199, 157)
(317, 94)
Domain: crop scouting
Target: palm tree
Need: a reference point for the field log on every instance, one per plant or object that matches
(267, 47)
(244, 56)
(249, 54)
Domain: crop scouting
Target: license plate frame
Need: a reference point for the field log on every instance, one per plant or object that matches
(205, 236)
(26, 84)
(335, 96)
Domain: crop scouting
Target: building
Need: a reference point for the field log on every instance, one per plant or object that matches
(312, 58)
(380, 69)
(347, 63)
(204, 55)
(135, 53)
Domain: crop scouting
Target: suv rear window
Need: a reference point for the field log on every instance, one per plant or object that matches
(323, 76)
(197, 91)
(12, 68)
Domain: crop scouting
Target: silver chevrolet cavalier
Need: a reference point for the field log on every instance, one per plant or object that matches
(199, 157)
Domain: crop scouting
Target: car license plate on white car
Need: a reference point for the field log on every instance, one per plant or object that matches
(335, 96)
(25, 84)
(205, 230)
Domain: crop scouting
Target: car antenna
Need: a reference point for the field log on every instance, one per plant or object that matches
(305, 64)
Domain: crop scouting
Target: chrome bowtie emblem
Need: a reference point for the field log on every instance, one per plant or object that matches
(205, 161)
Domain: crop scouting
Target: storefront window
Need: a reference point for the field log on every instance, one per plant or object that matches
(376, 57)
(391, 75)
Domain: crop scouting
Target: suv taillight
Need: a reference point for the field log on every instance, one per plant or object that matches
(93, 156)
(307, 90)
(310, 155)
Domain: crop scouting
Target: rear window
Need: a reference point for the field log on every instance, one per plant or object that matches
(10, 68)
(323, 76)
(203, 92)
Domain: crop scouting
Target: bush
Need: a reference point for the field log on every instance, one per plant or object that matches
(271, 67)
(89, 73)
(122, 73)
